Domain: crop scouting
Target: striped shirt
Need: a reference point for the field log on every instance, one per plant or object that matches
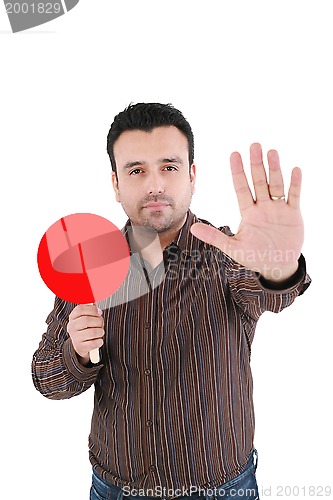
(173, 404)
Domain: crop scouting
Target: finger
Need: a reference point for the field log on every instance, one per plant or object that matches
(90, 322)
(92, 344)
(258, 173)
(85, 310)
(84, 324)
(276, 186)
(91, 334)
(243, 192)
(295, 188)
(86, 347)
(212, 236)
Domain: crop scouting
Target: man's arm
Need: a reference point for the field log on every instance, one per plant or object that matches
(254, 295)
(57, 372)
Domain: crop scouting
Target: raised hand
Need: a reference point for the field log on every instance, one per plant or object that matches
(270, 236)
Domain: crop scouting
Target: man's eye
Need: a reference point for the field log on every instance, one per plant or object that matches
(136, 170)
(171, 166)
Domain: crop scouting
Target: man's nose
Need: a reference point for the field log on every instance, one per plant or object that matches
(155, 183)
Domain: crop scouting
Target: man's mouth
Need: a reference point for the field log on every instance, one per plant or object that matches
(156, 205)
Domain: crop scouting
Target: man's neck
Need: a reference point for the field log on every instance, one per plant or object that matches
(151, 245)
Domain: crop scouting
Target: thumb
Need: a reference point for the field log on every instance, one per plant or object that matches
(212, 236)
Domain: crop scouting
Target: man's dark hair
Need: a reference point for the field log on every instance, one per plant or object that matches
(146, 117)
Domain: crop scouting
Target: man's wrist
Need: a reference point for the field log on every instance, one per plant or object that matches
(80, 372)
(280, 274)
(84, 361)
(290, 281)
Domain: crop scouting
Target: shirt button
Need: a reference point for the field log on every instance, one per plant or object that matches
(152, 468)
(149, 423)
(147, 371)
(147, 325)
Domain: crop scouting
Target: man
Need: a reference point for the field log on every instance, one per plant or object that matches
(173, 413)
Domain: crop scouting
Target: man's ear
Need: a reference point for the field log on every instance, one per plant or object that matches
(193, 174)
(115, 185)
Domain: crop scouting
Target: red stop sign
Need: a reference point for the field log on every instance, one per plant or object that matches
(83, 258)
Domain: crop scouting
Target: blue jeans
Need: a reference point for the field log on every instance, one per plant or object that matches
(242, 487)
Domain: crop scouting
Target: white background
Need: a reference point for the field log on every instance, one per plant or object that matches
(241, 72)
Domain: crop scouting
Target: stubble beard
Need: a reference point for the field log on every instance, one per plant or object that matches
(158, 221)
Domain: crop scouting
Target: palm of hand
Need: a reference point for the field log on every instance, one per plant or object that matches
(268, 237)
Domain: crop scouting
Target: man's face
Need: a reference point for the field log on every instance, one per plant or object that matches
(155, 183)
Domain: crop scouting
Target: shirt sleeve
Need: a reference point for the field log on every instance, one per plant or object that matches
(56, 370)
(254, 295)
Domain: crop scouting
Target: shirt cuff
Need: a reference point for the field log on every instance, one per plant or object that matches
(80, 373)
(293, 281)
